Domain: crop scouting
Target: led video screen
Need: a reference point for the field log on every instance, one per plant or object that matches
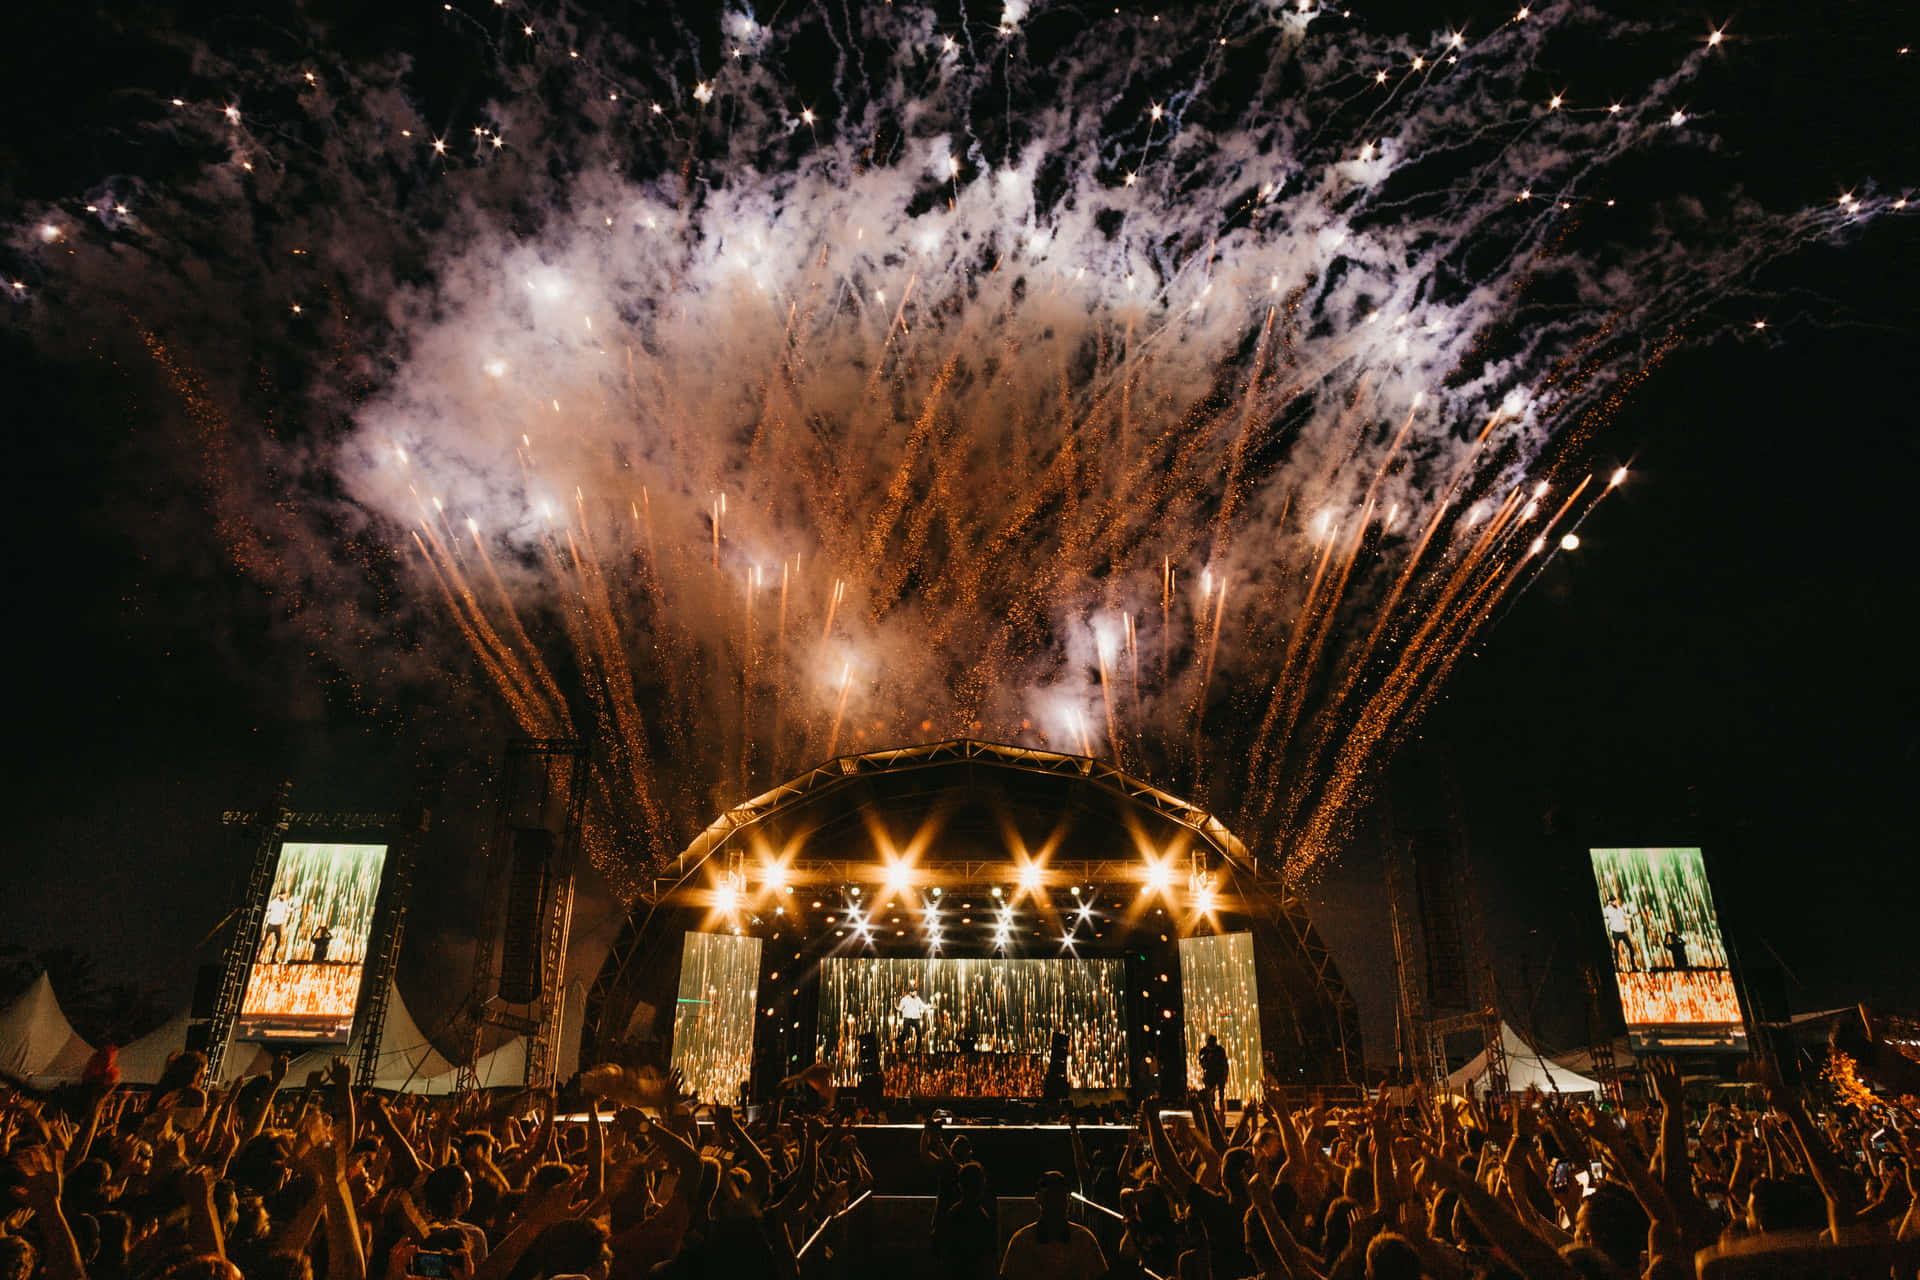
(1676, 986)
(713, 1018)
(307, 962)
(1217, 988)
(974, 1028)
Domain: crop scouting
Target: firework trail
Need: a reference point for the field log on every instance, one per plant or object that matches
(865, 379)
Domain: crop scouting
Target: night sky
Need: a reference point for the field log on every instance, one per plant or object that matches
(1726, 660)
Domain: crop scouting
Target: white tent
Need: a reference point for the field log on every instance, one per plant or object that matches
(407, 1060)
(143, 1061)
(1525, 1069)
(506, 1065)
(37, 1043)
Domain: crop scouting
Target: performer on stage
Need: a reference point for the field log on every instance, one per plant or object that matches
(1617, 915)
(279, 907)
(1213, 1072)
(913, 1012)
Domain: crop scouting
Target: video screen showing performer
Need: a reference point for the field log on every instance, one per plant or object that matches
(312, 947)
(1663, 939)
(974, 1028)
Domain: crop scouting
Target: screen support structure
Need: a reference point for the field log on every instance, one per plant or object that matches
(272, 826)
(1423, 1034)
(543, 784)
(383, 950)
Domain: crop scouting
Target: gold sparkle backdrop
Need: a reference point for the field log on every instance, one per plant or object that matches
(1220, 997)
(1009, 1009)
(713, 1018)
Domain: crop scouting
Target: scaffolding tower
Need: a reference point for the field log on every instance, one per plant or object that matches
(1606, 1072)
(542, 793)
(1457, 968)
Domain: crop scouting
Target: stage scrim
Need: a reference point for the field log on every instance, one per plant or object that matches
(713, 1018)
(988, 1024)
(305, 980)
(1216, 978)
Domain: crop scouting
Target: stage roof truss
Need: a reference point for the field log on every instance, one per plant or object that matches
(843, 770)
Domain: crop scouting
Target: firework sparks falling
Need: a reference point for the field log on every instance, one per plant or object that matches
(989, 365)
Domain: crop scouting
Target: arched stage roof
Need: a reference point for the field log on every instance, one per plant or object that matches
(974, 785)
(983, 804)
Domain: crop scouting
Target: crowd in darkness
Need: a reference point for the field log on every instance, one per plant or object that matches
(267, 1180)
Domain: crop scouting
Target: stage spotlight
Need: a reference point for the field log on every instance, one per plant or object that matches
(936, 891)
(899, 876)
(996, 891)
(726, 899)
(1030, 875)
(1203, 902)
(1159, 875)
(855, 891)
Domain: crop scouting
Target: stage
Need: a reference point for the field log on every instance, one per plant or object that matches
(968, 920)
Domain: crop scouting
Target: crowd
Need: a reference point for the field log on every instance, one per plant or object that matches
(327, 1182)
(270, 1181)
(1450, 1188)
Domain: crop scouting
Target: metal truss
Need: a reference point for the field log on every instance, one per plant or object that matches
(837, 773)
(561, 765)
(243, 947)
(383, 954)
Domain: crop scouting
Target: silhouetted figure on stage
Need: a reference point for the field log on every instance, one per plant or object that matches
(1677, 949)
(322, 939)
(1213, 1073)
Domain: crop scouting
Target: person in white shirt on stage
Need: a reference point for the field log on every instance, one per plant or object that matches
(279, 907)
(913, 1013)
(1617, 935)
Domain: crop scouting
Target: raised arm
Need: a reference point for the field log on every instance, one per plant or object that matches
(1165, 1159)
(596, 1152)
(1529, 1254)
(553, 1205)
(406, 1162)
(40, 1167)
(745, 1149)
(1843, 1203)
(1298, 1265)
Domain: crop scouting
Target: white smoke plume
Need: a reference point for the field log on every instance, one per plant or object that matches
(1182, 391)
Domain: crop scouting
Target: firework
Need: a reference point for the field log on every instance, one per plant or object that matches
(998, 348)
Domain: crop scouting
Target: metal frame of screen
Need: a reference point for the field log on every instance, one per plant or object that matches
(1669, 957)
(306, 973)
(1222, 998)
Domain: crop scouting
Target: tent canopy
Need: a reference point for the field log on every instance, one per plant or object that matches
(37, 1043)
(144, 1060)
(1526, 1069)
(407, 1059)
